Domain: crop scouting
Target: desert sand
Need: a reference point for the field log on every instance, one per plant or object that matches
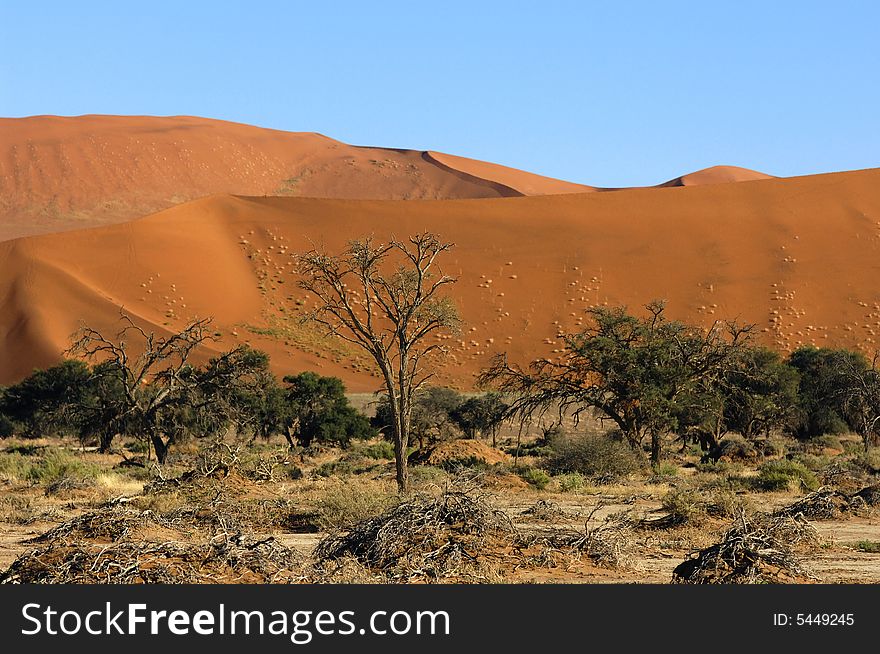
(61, 173)
(717, 175)
(798, 257)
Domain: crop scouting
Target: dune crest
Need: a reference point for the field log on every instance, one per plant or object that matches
(60, 173)
(717, 175)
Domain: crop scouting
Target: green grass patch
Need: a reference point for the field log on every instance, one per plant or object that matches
(785, 474)
(380, 450)
(536, 477)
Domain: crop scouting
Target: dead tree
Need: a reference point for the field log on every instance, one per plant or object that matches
(385, 298)
(859, 396)
(152, 373)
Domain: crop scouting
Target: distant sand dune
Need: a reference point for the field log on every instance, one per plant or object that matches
(59, 173)
(717, 175)
(798, 257)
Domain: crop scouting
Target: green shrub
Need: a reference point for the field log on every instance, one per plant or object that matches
(334, 468)
(684, 505)
(781, 474)
(666, 469)
(536, 477)
(812, 462)
(138, 446)
(724, 503)
(344, 505)
(7, 428)
(380, 450)
(592, 455)
(427, 474)
(571, 481)
(62, 469)
(871, 546)
(853, 447)
(827, 440)
(49, 467)
(14, 466)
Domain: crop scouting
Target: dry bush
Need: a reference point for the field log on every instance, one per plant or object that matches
(428, 537)
(596, 456)
(236, 559)
(610, 544)
(119, 545)
(759, 549)
(341, 505)
(105, 525)
(343, 570)
(824, 504)
(22, 510)
(545, 511)
(845, 476)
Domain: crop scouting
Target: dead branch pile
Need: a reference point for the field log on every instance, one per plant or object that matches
(106, 525)
(757, 549)
(844, 476)
(870, 495)
(545, 510)
(422, 536)
(610, 544)
(236, 559)
(68, 484)
(824, 504)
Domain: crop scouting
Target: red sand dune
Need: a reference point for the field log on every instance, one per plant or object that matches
(59, 173)
(517, 181)
(716, 175)
(798, 257)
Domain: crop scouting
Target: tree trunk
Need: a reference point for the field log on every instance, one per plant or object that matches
(656, 447)
(401, 445)
(106, 440)
(161, 448)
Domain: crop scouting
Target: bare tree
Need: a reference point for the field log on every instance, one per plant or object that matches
(859, 394)
(156, 391)
(150, 382)
(385, 299)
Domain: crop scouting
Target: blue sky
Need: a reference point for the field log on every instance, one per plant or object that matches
(606, 93)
